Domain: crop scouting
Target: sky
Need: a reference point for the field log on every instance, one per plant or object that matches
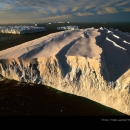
(40, 11)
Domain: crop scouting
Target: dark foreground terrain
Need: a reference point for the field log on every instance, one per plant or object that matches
(23, 99)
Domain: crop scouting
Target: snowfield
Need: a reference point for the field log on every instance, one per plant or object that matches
(81, 42)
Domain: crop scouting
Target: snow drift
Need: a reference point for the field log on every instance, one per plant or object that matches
(93, 63)
(21, 29)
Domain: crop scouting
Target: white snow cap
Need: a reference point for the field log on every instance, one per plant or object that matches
(79, 42)
(87, 42)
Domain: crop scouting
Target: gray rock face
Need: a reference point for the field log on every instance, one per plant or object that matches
(101, 73)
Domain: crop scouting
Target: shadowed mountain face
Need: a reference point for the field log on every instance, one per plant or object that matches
(31, 99)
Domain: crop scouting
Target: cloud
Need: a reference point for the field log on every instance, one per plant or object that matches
(53, 10)
(17, 17)
(104, 4)
(89, 6)
(111, 10)
(92, 4)
(56, 9)
(107, 10)
(63, 9)
(123, 3)
(101, 12)
(84, 14)
(58, 17)
(41, 10)
(127, 9)
(75, 8)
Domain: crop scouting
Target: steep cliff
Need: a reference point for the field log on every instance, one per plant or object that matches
(91, 63)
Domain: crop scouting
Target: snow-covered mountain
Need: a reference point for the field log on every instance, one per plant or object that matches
(21, 29)
(93, 63)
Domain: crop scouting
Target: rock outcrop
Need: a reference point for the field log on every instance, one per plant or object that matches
(93, 63)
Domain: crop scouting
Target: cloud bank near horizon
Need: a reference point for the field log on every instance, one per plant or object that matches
(20, 11)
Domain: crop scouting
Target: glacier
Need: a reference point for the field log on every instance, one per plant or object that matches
(92, 63)
(21, 29)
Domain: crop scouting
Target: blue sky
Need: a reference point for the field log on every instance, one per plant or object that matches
(32, 11)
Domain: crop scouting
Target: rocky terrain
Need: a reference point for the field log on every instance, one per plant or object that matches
(92, 63)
